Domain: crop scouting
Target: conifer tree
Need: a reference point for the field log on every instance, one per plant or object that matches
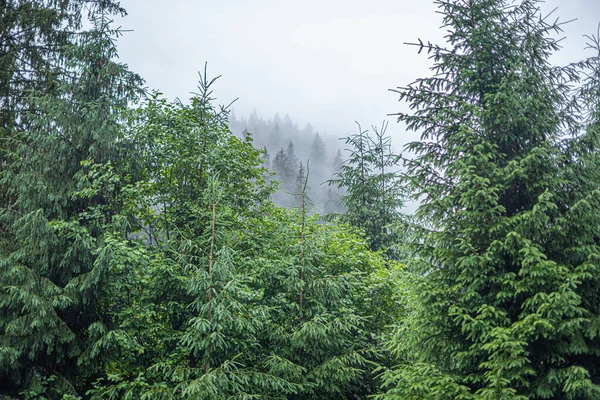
(337, 163)
(215, 354)
(56, 219)
(507, 276)
(275, 136)
(194, 184)
(318, 152)
(300, 177)
(315, 338)
(372, 192)
(292, 160)
(281, 165)
(34, 37)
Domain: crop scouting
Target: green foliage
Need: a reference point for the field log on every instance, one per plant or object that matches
(59, 188)
(505, 281)
(311, 275)
(372, 192)
(222, 294)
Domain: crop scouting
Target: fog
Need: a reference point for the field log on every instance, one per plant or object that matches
(327, 63)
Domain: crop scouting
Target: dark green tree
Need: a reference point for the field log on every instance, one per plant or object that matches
(282, 166)
(34, 37)
(60, 191)
(507, 274)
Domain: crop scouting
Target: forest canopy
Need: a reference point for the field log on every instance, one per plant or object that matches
(159, 249)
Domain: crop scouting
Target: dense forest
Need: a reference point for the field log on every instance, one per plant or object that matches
(290, 152)
(158, 249)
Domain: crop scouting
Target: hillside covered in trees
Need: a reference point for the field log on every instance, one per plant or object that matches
(289, 151)
(147, 250)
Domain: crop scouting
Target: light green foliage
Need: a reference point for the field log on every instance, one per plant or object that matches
(141, 256)
(222, 294)
(190, 328)
(505, 281)
(317, 335)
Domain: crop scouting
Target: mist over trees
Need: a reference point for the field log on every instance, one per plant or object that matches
(287, 147)
(165, 249)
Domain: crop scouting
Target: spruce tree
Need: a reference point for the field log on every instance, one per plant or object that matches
(318, 153)
(292, 161)
(507, 275)
(275, 138)
(187, 318)
(315, 336)
(281, 165)
(372, 191)
(55, 220)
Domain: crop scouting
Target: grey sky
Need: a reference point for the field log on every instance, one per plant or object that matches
(328, 62)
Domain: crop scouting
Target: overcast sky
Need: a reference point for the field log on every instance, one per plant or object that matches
(328, 62)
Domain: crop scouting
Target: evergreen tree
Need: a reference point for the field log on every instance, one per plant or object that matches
(316, 336)
(372, 192)
(281, 166)
(308, 129)
(291, 159)
(61, 207)
(275, 137)
(34, 37)
(318, 153)
(301, 177)
(507, 275)
(266, 158)
(337, 163)
(199, 317)
(231, 299)
(301, 189)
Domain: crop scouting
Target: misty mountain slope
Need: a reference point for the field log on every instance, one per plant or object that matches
(288, 148)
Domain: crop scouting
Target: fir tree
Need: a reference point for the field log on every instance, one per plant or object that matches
(315, 337)
(301, 189)
(372, 192)
(200, 318)
(301, 176)
(60, 212)
(507, 275)
(275, 138)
